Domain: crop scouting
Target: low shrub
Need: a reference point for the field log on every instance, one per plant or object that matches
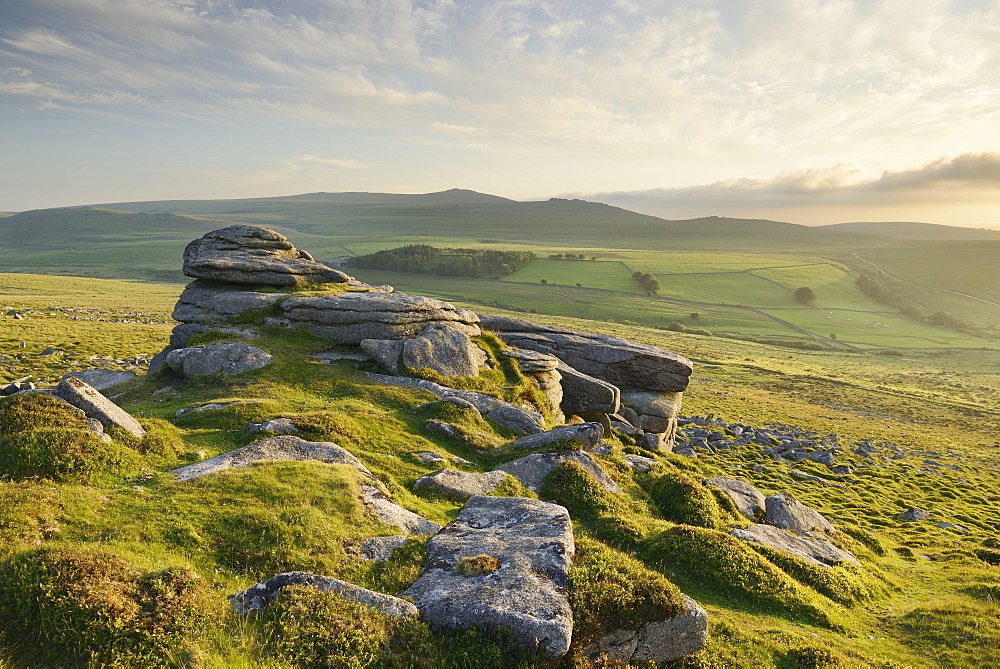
(610, 590)
(43, 437)
(682, 498)
(732, 568)
(76, 606)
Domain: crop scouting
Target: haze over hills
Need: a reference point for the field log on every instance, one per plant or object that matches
(910, 230)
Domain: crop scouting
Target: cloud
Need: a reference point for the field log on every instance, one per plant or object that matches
(964, 179)
(302, 169)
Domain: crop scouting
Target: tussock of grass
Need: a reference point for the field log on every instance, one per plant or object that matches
(682, 498)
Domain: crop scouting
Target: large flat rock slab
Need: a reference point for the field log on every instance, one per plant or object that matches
(283, 447)
(748, 500)
(211, 302)
(250, 254)
(91, 402)
(529, 545)
(816, 551)
(353, 317)
(660, 641)
(784, 511)
(391, 513)
(257, 597)
(460, 485)
(579, 435)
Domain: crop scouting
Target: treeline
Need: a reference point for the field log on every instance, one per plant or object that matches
(873, 288)
(647, 281)
(424, 259)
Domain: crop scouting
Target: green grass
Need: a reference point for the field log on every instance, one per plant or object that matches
(237, 527)
(610, 275)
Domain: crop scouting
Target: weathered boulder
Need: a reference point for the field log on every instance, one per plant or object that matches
(257, 597)
(913, 515)
(613, 359)
(393, 514)
(661, 641)
(353, 317)
(210, 302)
(183, 332)
(503, 413)
(102, 379)
(531, 470)
(653, 441)
(578, 435)
(458, 484)
(438, 347)
(522, 548)
(655, 411)
(817, 551)
(784, 511)
(585, 394)
(212, 406)
(284, 447)
(80, 394)
(228, 358)
(253, 255)
(748, 500)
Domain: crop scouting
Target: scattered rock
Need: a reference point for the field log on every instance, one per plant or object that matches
(80, 394)
(230, 359)
(748, 500)
(250, 254)
(333, 356)
(532, 543)
(662, 641)
(913, 515)
(531, 470)
(256, 598)
(275, 425)
(784, 511)
(380, 549)
(460, 485)
(211, 406)
(284, 447)
(581, 435)
(429, 457)
(393, 514)
(638, 462)
(653, 441)
(817, 551)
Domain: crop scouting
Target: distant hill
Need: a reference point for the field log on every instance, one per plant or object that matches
(922, 231)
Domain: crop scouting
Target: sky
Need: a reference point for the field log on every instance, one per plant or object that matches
(808, 111)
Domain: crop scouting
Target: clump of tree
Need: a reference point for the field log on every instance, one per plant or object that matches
(871, 286)
(568, 256)
(647, 281)
(425, 259)
(805, 295)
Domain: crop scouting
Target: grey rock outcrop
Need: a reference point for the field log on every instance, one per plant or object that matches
(531, 543)
(531, 470)
(816, 551)
(229, 359)
(210, 302)
(661, 641)
(586, 394)
(579, 435)
(543, 370)
(784, 511)
(353, 317)
(284, 447)
(615, 360)
(655, 411)
(748, 500)
(638, 462)
(81, 395)
(182, 334)
(503, 413)
(249, 254)
(275, 425)
(393, 514)
(460, 485)
(257, 597)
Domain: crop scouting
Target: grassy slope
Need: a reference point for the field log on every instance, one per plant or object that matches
(241, 525)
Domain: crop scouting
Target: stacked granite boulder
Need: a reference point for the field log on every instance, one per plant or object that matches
(601, 373)
(243, 268)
